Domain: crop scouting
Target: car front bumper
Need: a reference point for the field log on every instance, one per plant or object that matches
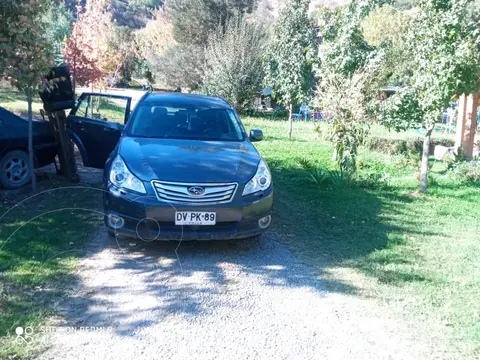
(147, 218)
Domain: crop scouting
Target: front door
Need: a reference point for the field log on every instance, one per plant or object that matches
(95, 124)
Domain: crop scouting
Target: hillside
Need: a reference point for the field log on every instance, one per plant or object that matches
(131, 13)
(136, 13)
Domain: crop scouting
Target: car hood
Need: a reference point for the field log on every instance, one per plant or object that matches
(189, 160)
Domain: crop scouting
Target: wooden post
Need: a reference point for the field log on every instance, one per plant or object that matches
(462, 107)
(68, 165)
(470, 125)
(466, 124)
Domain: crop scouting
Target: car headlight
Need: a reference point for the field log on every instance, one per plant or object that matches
(261, 181)
(122, 178)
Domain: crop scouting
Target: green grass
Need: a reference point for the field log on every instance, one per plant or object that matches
(40, 242)
(114, 109)
(418, 254)
(16, 102)
(110, 109)
(12, 100)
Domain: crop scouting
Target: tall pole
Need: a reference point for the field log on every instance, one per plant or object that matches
(467, 124)
(470, 125)
(462, 107)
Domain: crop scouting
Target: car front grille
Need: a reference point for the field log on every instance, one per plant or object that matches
(179, 193)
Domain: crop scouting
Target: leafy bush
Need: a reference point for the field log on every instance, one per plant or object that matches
(371, 180)
(233, 62)
(319, 176)
(305, 163)
(181, 65)
(466, 171)
(338, 178)
(404, 147)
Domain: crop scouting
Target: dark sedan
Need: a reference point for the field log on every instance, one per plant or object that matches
(184, 168)
(14, 169)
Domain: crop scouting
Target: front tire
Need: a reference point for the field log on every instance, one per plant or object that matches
(14, 169)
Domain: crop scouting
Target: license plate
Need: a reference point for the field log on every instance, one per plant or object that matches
(195, 218)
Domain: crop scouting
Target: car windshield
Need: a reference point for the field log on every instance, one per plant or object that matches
(184, 122)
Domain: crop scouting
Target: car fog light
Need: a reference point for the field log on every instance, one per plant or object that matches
(115, 221)
(265, 222)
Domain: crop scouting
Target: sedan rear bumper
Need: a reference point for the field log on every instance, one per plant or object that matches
(147, 218)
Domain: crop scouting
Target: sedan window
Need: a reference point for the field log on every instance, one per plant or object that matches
(173, 122)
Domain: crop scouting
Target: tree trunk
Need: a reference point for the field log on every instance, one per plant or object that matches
(290, 121)
(425, 156)
(31, 162)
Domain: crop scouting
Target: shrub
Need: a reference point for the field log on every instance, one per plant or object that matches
(233, 62)
(319, 176)
(404, 147)
(466, 171)
(339, 179)
(371, 180)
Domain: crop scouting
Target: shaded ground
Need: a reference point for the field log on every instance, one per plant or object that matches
(230, 300)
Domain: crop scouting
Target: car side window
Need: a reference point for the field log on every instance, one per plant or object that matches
(103, 108)
(82, 109)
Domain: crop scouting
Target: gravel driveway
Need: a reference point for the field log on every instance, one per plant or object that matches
(214, 300)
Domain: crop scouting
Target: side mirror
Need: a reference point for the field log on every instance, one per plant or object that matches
(256, 135)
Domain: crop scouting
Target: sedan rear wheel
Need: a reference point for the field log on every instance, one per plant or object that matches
(14, 169)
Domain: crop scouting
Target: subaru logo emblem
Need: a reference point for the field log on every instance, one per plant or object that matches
(196, 190)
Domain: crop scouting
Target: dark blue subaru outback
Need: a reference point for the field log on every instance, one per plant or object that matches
(184, 168)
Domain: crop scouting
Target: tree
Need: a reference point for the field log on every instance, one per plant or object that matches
(348, 74)
(124, 42)
(345, 50)
(289, 57)
(233, 62)
(60, 20)
(156, 37)
(348, 102)
(191, 22)
(194, 20)
(180, 66)
(26, 53)
(83, 67)
(385, 24)
(152, 41)
(445, 53)
(387, 28)
(89, 50)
